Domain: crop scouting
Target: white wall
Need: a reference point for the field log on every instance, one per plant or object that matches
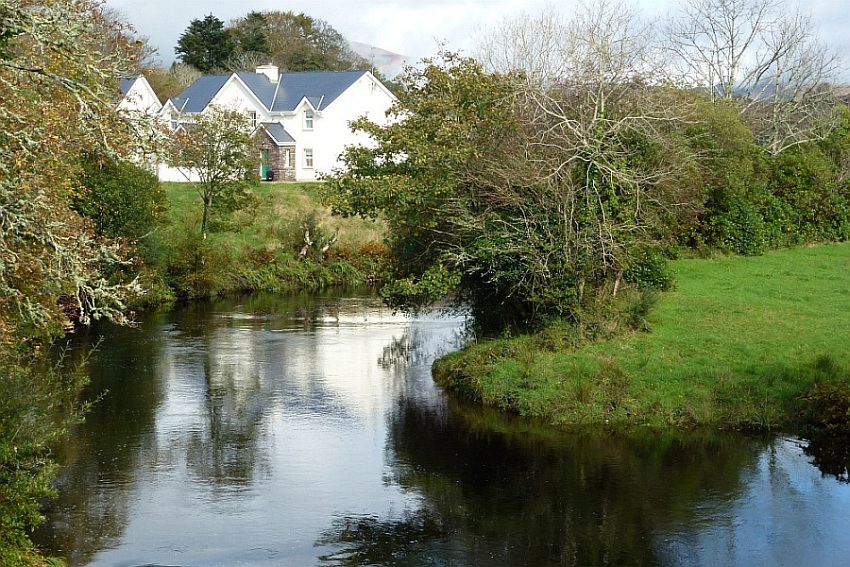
(140, 99)
(235, 96)
(331, 132)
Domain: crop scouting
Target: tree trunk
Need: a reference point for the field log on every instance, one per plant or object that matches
(206, 217)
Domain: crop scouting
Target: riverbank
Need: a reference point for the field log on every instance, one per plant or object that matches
(740, 343)
(284, 241)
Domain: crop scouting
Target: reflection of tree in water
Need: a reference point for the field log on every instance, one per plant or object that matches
(523, 498)
(398, 352)
(417, 346)
(367, 540)
(831, 455)
(101, 456)
(226, 448)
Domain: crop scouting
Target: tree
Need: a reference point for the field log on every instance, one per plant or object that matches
(533, 45)
(447, 115)
(251, 33)
(218, 147)
(206, 44)
(60, 64)
(122, 199)
(762, 55)
(294, 42)
(168, 83)
(57, 85)
(526, 193)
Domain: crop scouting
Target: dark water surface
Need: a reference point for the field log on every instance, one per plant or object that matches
(307, 431)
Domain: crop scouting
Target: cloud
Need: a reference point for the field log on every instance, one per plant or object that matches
(414, 28)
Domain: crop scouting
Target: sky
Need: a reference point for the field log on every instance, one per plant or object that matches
(413, 28)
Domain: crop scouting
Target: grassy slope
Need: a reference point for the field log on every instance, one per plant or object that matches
(256, 248)
(275, 220)
(737, 344)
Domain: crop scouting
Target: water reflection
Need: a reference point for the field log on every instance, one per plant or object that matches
(537, 498)
(307, 430)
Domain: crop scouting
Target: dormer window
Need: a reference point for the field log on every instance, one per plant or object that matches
(309, 115)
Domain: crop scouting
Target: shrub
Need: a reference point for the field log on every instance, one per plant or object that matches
(196, 267)
(741, 228)
(121, 199)
(649, 270)
(828, 408)
(36, 408)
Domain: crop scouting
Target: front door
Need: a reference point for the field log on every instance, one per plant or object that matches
(266, 166)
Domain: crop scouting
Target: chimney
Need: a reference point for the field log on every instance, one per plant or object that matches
(270, 71)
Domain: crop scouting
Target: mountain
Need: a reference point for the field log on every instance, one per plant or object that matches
(388, 63)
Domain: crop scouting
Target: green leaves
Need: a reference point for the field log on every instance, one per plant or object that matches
(219, 148)
(122, 199)
(206, 44)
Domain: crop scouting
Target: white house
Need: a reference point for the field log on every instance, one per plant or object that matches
(140, 105)
(301, 119)
(138, 98)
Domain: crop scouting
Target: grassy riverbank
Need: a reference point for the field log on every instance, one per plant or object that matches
(740, 343)
(257, 248)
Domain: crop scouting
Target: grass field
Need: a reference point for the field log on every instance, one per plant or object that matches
(739, 344)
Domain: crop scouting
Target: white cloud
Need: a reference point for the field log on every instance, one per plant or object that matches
(415, 28)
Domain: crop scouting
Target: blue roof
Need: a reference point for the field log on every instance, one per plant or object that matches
(126, 84)
(278, 133)
(321, 88)
(200, 93)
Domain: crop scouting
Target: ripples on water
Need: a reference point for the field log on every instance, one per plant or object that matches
(308, 431)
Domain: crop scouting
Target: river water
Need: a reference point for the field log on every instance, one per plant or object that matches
(307, 431)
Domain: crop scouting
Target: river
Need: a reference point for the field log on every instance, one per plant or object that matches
(307, 431)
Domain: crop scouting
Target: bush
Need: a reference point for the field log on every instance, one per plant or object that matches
(195, 267)
(649, 270)
(122, 199)
(828, 408)
(37, 405)
(740, 229)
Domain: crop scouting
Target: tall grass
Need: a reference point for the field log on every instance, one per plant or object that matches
(740, 343)
(257, 248)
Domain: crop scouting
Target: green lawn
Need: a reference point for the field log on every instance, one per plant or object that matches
(738, 344)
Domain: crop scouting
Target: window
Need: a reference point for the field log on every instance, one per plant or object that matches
(252, 117)
(173, 120)
(308, 157)
(286, 164)
(309, 115)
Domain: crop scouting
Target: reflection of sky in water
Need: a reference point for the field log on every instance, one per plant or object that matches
(269, 432)
(265, 432)
(785, 515)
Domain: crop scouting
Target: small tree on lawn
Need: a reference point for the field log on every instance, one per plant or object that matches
(219, 149)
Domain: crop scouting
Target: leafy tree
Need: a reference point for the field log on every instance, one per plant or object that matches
(525, 196)
(294, 42)
(251, 33)
(449, 115)
(730, 175)
(219, 149)
(122, 199)
(170, 82)
(57, 85)
(206, 44)
(60, 63)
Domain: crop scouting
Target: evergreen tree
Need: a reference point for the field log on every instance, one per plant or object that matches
(206, 44)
